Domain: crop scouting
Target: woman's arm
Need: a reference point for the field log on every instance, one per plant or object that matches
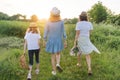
(64, 32)
(45, 35)
(76, 37)
(45, 32)
(64, 35)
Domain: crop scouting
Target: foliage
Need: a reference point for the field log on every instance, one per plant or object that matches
(104, 66)
(18, 17)
(98, 13)
(3, 16)
(9, 66)
(13, 28)
(74, 20)
(113, 19)
(106, 34)
(71, 21)
(11, 42)
(16, 28)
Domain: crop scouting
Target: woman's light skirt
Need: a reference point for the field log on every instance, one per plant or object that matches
(86, 46)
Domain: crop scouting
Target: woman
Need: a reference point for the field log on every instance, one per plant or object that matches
(54, 34)
(83, 30)
(32, 43)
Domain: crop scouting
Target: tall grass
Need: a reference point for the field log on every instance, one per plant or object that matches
(13, 28)
(16, 28)
(11, 42)
(104, 66)
(9, 65)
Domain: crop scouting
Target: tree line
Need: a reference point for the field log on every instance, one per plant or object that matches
(98, 13)
(17, 17)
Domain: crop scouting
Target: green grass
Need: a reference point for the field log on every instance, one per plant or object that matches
(105, 66)
(16, 28)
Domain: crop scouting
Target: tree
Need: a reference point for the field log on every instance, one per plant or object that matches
(71, 21)
(3, 16)
(24, 17)
(18, 17)
(15, 17)
(74, 20)
(114, 19)
(98, 12)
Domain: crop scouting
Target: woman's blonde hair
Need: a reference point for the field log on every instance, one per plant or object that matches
(54, 18)
(54, 15)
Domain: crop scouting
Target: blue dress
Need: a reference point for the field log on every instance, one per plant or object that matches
(54, 34)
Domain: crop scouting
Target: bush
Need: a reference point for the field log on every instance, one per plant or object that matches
(13, 28)
(9, 66)
(114, 42)
(11, 42)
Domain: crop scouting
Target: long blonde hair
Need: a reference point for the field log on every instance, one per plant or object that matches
(54, 18)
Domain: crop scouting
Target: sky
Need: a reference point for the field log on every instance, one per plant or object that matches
(41, 8)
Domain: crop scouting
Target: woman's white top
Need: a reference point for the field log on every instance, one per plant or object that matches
(84, 44)
(84, 27)
(32, 40)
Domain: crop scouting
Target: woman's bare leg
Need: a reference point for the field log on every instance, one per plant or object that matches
(53, 62)
(88, 60)
(79, 60)
(58, 58)
(58, 62)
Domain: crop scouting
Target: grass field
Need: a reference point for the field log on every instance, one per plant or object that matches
(105, 66)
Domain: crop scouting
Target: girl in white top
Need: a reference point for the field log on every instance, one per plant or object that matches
(85, 46)
(32, 43)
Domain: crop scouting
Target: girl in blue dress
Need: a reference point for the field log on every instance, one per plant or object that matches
(55, 38)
